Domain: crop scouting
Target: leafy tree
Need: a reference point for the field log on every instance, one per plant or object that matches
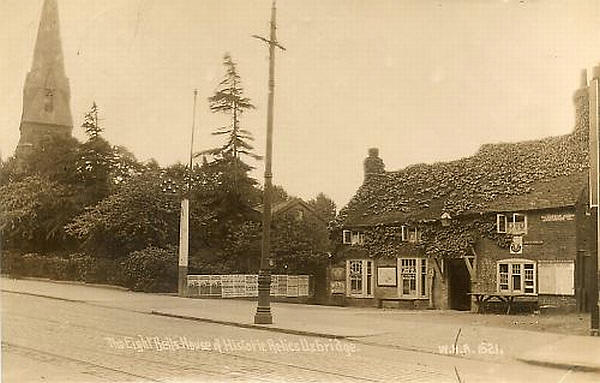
(94, 169)
(8, 171)
(100, 165)
(299, 245)
(54, 158)
(279, 194)
(136, 216)
(34, 212)
(324, 206)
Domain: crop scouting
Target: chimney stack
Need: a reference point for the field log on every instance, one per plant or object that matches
(581, 101)
(373, 164)
(596, 71)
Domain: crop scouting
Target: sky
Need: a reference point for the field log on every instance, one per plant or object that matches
(421, 80)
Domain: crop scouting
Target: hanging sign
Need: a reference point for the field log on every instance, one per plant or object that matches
(516, 246)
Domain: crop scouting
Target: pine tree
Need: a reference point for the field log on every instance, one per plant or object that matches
(91, 123)
(229, 99)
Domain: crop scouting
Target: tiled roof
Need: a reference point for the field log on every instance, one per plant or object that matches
(545, 173)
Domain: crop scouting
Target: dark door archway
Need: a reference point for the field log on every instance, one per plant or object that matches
(459, 285)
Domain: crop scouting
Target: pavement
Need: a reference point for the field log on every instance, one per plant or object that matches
(397, 329)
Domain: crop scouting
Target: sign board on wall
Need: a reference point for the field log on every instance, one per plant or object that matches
(387, 276)
(557, 217)
(338, 287)
(556, 277)
(338, 273)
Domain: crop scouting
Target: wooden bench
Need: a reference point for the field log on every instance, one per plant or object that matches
(482, 298)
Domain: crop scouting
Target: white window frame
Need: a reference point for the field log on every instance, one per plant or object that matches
(522, 270)
(350, 237)
(410, 234)
(510, 224)
(421, 270)
(347, 237)
(366, 275)
(501, 218)
(511, 228)
(358, 238)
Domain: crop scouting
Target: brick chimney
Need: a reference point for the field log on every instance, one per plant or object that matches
(373, 164)
(580, 99)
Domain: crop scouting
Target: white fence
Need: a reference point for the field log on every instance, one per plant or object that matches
(246, 285)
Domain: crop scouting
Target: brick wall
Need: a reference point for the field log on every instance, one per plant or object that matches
(545, 240)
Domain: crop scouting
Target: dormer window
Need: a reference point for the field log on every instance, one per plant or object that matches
(511, 224)
(410, 234)
(350, 237)
(518, 224)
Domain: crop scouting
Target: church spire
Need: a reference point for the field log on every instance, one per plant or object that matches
(46, 94)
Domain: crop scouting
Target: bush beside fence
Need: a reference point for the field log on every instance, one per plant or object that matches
(148, 270)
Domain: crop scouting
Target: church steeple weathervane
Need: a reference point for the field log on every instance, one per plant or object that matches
(46, 94)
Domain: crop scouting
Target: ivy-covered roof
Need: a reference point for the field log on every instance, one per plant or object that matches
(539, 174)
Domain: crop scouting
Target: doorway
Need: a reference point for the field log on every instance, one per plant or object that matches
(459, 285)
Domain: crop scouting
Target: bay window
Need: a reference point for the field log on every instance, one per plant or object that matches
(516, 276)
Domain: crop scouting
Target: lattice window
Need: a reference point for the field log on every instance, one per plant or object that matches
(413, 277)
(360, 278)
(516, 276)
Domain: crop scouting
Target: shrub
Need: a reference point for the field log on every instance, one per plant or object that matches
(152, 269)
(73, 267)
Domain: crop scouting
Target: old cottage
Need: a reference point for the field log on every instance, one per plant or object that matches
(509, 221)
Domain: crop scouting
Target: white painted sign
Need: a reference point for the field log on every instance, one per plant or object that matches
(557, 217)
(556, 277)
(387, 276)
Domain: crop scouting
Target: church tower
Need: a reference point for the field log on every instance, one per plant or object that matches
(46, 94)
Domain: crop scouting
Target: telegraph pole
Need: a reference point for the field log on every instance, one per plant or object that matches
(594, 185)
(263, 310)
(184, 222)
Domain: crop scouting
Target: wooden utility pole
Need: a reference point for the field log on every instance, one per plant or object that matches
(263, 310)
(184, 222)
(594, 185)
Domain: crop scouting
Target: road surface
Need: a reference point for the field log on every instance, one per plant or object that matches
(52, 340)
